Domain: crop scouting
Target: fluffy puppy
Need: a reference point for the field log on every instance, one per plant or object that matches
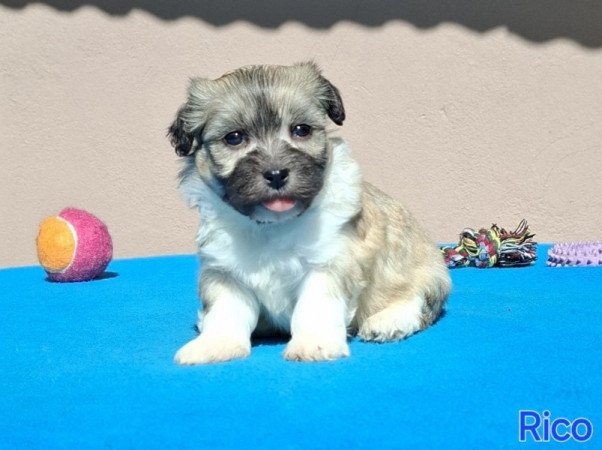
(291, 240)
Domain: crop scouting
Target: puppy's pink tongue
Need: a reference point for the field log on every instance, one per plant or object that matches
(280, 204)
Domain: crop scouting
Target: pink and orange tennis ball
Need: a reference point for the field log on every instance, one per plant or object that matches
(74, 246)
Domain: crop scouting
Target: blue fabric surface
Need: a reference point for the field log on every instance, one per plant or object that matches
(89, 365)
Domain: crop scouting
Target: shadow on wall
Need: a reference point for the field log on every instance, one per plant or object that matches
(534, 20)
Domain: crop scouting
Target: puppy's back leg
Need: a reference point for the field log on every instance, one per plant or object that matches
(397, 321)
(406, 315)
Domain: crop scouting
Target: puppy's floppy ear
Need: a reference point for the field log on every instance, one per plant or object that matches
(331, 101)
(181, 140)
(328, 95)
(185, 132)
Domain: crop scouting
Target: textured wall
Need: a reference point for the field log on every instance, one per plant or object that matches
(467, 117)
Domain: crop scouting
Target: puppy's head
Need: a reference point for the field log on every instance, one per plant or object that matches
(258, 137)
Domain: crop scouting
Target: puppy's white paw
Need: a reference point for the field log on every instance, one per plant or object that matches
(316, 348)
(391, 324)
(207, 349)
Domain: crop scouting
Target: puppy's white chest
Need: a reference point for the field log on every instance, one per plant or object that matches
(276, 287)
(272, 267)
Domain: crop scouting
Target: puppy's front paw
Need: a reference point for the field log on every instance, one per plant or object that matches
(207, 349)
(314, 348)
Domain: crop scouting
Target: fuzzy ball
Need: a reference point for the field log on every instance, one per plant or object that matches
(74, 246)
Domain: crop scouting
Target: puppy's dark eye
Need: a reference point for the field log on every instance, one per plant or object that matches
(301, 130)
(235, 138)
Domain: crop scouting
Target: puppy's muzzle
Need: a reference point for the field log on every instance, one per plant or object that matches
(276, 179)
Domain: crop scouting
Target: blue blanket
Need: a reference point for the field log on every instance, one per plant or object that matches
(89, 365)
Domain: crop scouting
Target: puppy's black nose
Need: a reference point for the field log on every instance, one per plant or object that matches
(276, 178)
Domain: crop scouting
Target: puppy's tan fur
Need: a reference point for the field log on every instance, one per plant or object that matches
(345, 259)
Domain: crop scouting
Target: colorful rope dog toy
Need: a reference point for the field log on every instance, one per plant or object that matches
(575, 254)
(492, 247)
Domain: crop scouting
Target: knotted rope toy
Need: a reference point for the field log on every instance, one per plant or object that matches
(491, 247)
(575, 254)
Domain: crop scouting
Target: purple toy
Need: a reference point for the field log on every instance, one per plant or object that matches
(575, 254)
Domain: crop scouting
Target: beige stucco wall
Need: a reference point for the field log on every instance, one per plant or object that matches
(468, 118)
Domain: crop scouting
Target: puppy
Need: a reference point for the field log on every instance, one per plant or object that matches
(291, 240)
